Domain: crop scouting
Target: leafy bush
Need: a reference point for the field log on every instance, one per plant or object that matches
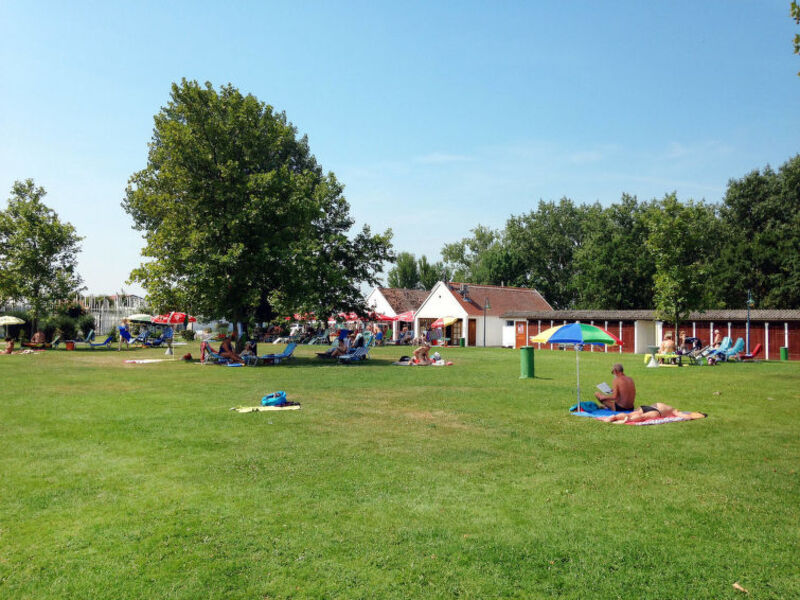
(65, 327)
(188, 334)
(113, 332)
(86, 324)
(72, 310)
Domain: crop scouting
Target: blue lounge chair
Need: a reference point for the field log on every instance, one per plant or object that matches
(213, 357)
(355, 356)
(86, 340)
(155, 343)
(718, 354)
(734, 350)
(104, 344)
(275, 359)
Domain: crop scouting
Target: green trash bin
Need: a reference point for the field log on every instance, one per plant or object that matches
(784, 353)
(526, 362)
(462, 342)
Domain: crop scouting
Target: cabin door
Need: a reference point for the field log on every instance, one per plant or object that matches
(520, 334)
(472, 327)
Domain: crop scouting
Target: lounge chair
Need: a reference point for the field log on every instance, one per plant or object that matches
(211, 357)
(329, 351)
(355, 356)
(42, 346)
(275, 359)
(104, 344)
(155, 343)
(752, 355)
(735, 350)
(86, 340)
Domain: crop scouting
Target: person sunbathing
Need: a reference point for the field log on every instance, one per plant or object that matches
(226, 350)
(9, 346)
(657, 410)
(421, 356)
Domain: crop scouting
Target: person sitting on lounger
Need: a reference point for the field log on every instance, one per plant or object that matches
(623, 391)
(658, 410)
(9, 346)
(38, 338)
(421, 356)
(717, 339)
(226, 350)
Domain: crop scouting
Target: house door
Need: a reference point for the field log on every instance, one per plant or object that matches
(521, 334)
(471, 336)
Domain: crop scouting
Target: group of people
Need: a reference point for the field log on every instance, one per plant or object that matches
(623, 397)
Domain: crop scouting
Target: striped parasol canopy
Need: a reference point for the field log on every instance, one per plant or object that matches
(579, 335)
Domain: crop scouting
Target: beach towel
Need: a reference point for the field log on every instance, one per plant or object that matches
(661, 421)
(145, 361)
(249, 409)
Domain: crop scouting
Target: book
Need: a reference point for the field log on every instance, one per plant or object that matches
(604, 387)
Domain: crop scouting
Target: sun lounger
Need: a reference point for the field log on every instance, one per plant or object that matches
(752, 356)
(355, 356)
(275, 359)
(104, 344)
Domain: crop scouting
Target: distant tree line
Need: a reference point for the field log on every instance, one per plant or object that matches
(663, 253)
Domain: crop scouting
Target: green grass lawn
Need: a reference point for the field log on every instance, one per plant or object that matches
(137, 481)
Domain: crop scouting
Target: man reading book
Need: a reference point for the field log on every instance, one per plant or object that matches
(623, 391)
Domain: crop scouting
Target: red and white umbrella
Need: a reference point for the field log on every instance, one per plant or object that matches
(406, 317)
(173, 318)
(380, 317)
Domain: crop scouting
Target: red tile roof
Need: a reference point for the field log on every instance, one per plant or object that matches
(502, 299)
(402, 300)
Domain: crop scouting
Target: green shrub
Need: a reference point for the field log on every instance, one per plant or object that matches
(86, 324)
(188, 334)
(114, 333)
(65, 327)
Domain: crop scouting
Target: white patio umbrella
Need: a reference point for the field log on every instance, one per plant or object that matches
(7, 320)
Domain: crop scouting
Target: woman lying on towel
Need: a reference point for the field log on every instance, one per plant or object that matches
(658, 410)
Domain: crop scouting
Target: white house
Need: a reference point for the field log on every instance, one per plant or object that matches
(466, 305)
(395, 301)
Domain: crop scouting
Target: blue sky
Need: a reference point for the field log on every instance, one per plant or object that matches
(437, 116)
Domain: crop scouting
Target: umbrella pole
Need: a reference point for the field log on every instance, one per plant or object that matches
(578, 370)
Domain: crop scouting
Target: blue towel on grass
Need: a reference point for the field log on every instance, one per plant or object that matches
(597, 412)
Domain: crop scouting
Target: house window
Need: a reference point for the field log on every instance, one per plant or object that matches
(509, 323)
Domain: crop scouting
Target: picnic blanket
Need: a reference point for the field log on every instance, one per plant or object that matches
(249, 409)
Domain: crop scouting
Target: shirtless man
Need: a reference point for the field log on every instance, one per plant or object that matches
(623, 391)
(658, 410)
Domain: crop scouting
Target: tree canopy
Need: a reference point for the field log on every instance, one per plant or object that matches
(412, 273)
(669, 254)
(239, 220)
(38, 252)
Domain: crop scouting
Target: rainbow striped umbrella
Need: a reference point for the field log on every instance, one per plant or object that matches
(579, 335)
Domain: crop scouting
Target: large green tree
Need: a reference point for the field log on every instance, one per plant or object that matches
(613, 269)
(38, 252)
(760, 246)
(431, 273)
(542, 245)
(678, 239)
(404, 274)
(239, 220)
(482, 258)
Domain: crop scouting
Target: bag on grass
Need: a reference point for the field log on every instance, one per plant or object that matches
(274, 399)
